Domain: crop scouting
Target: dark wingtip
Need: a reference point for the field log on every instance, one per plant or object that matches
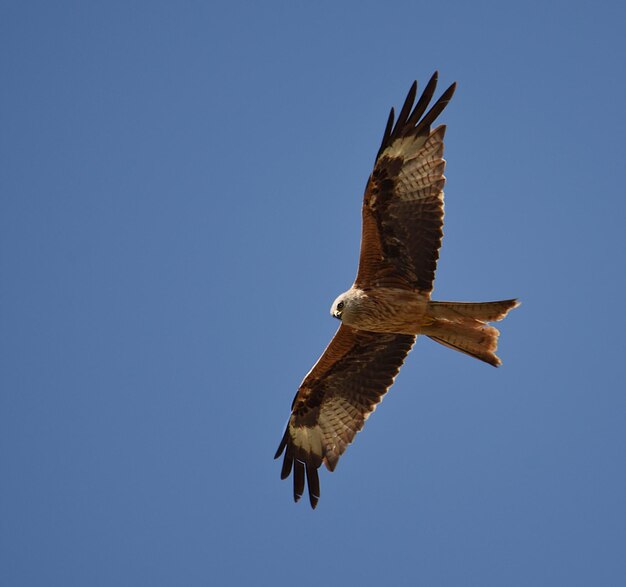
(436, 109)
(298, 480)
(287, 464)
(387, 133)
(408, 120)
(302, 471)
(313, 482)
(424, 100)
(282, 445)
(407, 107)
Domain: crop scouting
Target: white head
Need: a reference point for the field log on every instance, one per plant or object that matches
(346, 305)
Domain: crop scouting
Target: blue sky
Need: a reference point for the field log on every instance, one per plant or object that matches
(180, 196)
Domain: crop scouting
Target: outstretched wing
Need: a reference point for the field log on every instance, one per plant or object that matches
(403, 202)
(335, 399)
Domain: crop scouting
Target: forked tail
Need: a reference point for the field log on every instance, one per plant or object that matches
(463, 326)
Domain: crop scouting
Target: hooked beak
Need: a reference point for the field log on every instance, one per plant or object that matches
(337, 315)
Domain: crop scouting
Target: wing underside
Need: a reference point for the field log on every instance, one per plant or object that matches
(403, 202)
(401, 235)
(333, 402)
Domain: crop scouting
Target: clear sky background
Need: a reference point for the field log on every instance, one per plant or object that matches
(180, 192)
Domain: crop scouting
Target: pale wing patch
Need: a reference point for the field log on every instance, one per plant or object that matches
(425, 174)
(404, 147)
(421, 175)
(307, 439)
(433, 147)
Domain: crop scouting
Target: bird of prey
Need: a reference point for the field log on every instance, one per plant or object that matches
(389, 303)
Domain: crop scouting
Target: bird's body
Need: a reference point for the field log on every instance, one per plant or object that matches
(390, 301)
(383, 309)
(462, 325)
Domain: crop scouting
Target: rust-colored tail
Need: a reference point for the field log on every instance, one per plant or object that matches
(463, 326)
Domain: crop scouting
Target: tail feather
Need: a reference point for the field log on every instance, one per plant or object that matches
(485, 311)
(463, 326)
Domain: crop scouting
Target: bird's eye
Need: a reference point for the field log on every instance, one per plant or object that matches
(340, 306)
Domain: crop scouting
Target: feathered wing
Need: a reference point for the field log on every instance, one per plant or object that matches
(403, 202)
(402, 231)
(335, 399)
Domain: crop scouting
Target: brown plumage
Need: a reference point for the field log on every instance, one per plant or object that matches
(389, 303)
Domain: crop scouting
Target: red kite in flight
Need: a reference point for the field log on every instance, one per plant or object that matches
(389, 303)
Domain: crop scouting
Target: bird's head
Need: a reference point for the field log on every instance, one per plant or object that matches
(339, 306)
(346, 306)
